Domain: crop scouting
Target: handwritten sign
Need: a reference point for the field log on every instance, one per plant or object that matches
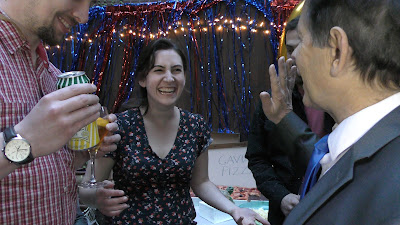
(228, 166)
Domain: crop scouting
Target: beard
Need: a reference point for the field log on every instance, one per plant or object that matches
(47, 34)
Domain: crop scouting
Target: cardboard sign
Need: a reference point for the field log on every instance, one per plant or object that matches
(228, 166)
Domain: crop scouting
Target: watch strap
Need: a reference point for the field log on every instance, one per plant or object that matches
(9, 133)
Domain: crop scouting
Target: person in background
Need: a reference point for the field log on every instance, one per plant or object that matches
(162, 152)
(275, 173)
(349, 61)
(36, 120)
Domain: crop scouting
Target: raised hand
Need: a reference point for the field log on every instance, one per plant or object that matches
(58, 116)
(279, 103)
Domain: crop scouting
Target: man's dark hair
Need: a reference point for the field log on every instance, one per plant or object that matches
(373, 30)
(291, 25)
(146, 62)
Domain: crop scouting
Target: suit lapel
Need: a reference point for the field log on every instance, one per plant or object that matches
(342, 172)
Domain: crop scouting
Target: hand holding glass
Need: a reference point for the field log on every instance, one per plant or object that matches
(101, 122)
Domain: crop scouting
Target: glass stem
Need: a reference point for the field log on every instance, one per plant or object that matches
(92, 154)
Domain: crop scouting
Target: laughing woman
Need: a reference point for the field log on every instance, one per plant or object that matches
(162, 153)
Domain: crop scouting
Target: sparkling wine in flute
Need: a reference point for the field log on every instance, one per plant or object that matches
(101, 126)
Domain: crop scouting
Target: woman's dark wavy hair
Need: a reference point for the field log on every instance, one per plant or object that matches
(145, 64)
(373, 30)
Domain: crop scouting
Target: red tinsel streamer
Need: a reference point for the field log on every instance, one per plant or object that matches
(107, 50)
(126, 66)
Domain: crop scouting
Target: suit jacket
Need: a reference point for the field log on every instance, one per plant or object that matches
(363, 187)
(275, 173)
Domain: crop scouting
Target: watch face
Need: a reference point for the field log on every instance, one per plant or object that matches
(17, 150)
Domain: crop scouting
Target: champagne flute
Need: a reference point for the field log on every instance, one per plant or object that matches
(101, 122)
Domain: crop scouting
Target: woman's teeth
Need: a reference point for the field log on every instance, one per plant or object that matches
(166, 90)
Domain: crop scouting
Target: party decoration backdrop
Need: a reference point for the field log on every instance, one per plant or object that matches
(230, 45)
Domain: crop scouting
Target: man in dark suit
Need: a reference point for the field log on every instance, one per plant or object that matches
(276, 175)
(349, 60)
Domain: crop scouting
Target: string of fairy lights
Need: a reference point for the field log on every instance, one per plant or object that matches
(221, 24)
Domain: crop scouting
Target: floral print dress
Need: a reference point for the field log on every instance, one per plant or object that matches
(158, 189)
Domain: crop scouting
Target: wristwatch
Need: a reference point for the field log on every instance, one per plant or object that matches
(16, 149)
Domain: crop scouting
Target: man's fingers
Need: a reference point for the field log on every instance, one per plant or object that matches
(289, 63)
(84, 115)
(273, 77)
(292, 78)
(80, 101)
(282, 71)
(292, 73)
(266, 101)
(73, 90)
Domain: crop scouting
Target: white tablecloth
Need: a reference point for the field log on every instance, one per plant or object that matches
(201, 221)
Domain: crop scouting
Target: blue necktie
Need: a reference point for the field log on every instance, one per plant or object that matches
(321, 148)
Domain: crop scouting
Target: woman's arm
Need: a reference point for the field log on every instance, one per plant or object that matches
(209, 193)
(103, 169)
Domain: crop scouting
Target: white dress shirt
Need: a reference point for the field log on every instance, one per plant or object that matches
(350, 130)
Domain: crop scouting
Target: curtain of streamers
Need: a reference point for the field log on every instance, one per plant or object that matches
(230, 45)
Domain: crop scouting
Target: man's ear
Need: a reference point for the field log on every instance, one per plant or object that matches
(340, 50)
